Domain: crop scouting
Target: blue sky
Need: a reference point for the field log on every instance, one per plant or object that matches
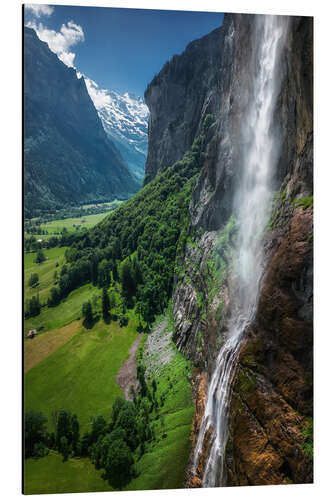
(120, 49)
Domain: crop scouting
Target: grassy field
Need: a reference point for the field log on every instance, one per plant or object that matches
(86, 221)
(45, 271)
(51, 475)
(80, 375)
(97, 355)
(73, 367)
(35, 350)
(66, 312)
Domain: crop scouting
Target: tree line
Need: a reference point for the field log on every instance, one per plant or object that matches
(113, 446)
(137, 245)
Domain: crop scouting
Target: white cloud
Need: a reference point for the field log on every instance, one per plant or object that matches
(99, 97)
(60, 41)
(39, 10)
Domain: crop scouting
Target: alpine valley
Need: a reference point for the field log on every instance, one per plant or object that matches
(68, 158)
(172, 342)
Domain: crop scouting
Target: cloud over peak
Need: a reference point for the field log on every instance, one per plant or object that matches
(61, 41)
(99, 96)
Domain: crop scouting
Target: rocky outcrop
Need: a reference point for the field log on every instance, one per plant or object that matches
(67, 156)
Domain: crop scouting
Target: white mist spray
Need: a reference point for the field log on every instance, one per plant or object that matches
(252, 209)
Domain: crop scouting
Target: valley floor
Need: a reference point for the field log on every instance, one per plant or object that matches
(69, 366)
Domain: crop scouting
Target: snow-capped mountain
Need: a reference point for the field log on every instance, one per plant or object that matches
(125, 120)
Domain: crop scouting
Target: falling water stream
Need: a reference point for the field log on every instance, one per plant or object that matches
(252, 202)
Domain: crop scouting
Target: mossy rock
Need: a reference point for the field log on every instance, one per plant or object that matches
(246, 383)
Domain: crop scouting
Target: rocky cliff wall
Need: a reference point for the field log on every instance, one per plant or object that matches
(179, 97)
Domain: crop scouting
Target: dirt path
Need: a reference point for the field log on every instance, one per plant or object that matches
(35, 350)
(126, 377)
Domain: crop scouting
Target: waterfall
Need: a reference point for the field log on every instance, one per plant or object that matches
(251, 207)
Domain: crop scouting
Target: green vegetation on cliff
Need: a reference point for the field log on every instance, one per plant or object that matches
(164, 461)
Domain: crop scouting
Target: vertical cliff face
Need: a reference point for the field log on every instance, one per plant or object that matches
(178, 99)
(271, 408)
(271, 401)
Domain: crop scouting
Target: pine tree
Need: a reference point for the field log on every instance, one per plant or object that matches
(63, 428)
(105, 304)
(64, 448)
(87, 311)
(40, 257)
(75, 433)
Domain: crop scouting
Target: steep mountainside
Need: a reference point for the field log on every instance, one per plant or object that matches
(271, 403)
(179, 97)
(67, 155)
(125, 120)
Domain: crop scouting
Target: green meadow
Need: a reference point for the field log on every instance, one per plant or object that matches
(51, 474)
(71, 223)
(80, 375)
(81, 378)
(67, 311)
(45, 271)
(164, 462)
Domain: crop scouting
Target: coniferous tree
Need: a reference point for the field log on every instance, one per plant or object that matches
(40, 257)
(75, 428)
(87, 311)
(115, 274)
(94, 270)
(33, 280)
(119, 464)
(104, 278)
(64, 448)
(105, 304)
(34, 431)
(32, 306)
(63, 428)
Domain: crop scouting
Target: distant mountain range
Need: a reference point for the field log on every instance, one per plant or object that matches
(68, 157)
(125, 120)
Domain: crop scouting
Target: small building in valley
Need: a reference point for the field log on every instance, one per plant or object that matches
(32, 333)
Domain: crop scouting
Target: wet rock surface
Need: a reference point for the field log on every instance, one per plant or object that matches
(272, 396)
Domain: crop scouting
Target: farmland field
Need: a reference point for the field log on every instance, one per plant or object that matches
(35, 350)
(81, 378)
(86, 221)
(81, 373)
(51, 475)
(67, 311)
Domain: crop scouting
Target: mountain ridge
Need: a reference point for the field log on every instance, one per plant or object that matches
(125, 121)
(68, 157)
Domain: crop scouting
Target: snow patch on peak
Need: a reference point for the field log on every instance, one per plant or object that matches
(125, 120)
